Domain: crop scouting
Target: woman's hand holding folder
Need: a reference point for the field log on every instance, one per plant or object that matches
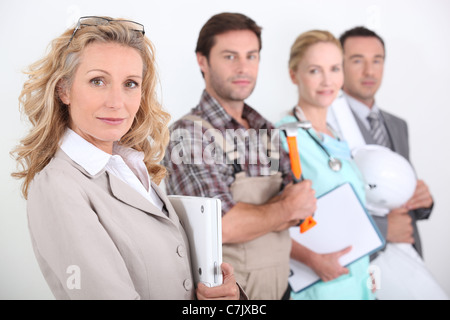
(229, 290)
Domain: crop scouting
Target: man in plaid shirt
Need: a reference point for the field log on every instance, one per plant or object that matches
(199, 165)
(195, 171)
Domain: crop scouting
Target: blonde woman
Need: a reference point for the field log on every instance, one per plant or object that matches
(315, 67)
(100, 226)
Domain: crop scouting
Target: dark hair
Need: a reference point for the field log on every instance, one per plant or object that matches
(359, 32)
(221, 23)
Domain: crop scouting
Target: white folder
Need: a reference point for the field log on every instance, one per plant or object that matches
(201, 219)
(342, 221)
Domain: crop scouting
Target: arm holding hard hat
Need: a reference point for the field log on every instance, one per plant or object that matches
(399, 222)
(421, 198)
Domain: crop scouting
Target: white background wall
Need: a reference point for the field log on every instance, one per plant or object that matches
(415, 87)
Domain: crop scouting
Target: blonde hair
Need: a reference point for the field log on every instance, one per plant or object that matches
(49, 117)
(306, 40)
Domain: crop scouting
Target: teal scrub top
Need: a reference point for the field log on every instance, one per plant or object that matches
(314, 163)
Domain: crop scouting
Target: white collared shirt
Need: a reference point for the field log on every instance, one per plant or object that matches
(125, 163)
(361, 110)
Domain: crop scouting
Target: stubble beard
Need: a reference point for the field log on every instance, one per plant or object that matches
(224, 90)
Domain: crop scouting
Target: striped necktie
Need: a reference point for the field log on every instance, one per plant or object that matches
(377, 129)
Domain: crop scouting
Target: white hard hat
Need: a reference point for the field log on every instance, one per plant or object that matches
(389, 178)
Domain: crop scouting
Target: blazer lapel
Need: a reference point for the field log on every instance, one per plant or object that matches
(391, 131)
(162, 195)
(127, 194)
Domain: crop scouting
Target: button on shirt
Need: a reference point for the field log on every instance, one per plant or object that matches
(125, 163)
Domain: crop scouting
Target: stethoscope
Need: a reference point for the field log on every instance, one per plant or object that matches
(334, 163)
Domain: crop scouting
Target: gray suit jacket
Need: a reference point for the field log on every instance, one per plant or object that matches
(95, 237)
(398, 134)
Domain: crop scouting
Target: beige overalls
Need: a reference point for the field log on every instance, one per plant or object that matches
(261, 265)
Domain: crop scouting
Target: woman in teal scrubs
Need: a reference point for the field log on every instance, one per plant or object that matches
(315, 66)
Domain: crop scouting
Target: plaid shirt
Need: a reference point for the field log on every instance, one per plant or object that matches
(195, 168)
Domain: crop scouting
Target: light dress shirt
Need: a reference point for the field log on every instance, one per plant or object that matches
(361, 110)
(125, 163)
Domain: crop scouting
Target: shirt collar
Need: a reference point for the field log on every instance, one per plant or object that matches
(85, 154)
(91, 158)
(130, 156)
(219, 118)
(213, 111)
(361, 110)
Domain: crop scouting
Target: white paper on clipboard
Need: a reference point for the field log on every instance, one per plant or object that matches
(201, 219)
(341, 221)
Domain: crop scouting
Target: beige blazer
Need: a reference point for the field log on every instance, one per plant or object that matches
(95, 237)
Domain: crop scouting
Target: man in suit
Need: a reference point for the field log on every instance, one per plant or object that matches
(364, 55)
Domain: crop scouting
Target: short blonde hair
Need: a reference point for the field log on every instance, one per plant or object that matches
(306, 40)
(49, 117)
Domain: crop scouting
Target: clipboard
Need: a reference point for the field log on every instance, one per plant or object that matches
(342, 220)
(201, 219)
